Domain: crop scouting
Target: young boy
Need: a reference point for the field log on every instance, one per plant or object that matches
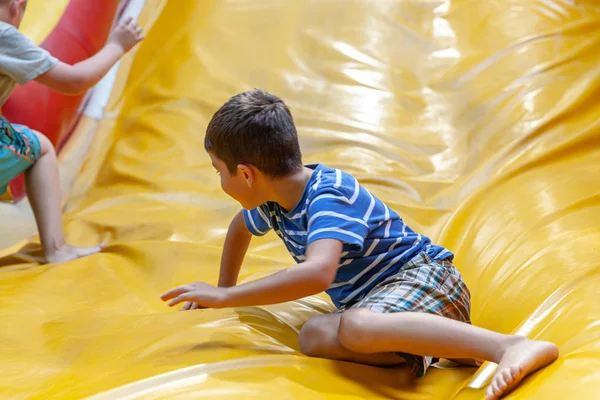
(25, 150)
(401, 299)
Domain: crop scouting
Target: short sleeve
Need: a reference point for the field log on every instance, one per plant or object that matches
(257, 220)
(332, 215)
(21, 59)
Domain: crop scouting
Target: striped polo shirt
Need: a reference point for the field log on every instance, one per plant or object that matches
(376, 241)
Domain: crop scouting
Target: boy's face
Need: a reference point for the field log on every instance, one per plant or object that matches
(240, 186)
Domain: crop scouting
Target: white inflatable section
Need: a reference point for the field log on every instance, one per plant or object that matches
(99, 96)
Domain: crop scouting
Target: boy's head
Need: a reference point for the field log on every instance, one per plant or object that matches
(12, 11)
(252, 135)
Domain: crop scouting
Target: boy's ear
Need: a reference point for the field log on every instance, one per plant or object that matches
(17, 7)
(247, 173)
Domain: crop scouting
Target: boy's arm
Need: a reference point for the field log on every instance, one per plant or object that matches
(310, 277)
(234, 250)
(76, 79)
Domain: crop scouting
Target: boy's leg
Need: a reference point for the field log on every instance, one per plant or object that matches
(367, 332)
(319, 338)
(43, 190)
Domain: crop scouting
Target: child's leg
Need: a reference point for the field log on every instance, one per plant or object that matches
(319, 338)
(43, 190)
(367, 332)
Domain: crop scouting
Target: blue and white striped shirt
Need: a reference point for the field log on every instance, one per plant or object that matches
(377, 242)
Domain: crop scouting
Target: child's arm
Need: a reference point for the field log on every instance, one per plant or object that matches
(311, 277)
(78, 78)
(234, 250)
(236, 245)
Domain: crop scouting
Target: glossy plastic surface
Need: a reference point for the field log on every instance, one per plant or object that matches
(477, 121)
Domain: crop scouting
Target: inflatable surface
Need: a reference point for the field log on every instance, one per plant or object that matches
(478, 122)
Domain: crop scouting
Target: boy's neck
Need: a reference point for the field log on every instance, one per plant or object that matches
(288, 191)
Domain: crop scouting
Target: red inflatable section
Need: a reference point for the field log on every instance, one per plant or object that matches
(80, 33)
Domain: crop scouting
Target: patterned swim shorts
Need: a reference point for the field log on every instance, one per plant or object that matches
(19, 150)
(422, 285)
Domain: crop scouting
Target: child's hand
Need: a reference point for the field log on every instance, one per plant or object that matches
(126, 35)
(203, 294)
(190, 305)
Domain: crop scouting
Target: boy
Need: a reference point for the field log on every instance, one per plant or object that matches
(400, 298)
(25, 150)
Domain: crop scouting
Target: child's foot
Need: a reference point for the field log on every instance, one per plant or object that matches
(521, 359)
(68, 253)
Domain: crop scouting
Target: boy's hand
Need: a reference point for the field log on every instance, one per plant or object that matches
(126, 35)
(200, 293)
(190, 305)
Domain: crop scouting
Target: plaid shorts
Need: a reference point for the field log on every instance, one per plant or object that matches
(422, 285)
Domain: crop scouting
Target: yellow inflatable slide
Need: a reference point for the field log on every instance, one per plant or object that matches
(478, 121)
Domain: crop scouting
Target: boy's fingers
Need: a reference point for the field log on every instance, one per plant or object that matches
(179, 299)
(125, 22)
(190, 305)
(173, 293)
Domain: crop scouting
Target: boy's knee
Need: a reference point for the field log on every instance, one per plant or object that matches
(313, 337)
(353, 333)
(308, 339)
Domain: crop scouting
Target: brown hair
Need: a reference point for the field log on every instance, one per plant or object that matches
(255, 128)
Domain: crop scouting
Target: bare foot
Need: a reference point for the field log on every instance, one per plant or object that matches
(519, 360)
(68, 253)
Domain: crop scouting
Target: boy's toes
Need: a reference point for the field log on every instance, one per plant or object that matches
(99, 247)
(514, 372)
(507, 377)
(499, 385)
(501, 382)
(84, 251)
(491, 391)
